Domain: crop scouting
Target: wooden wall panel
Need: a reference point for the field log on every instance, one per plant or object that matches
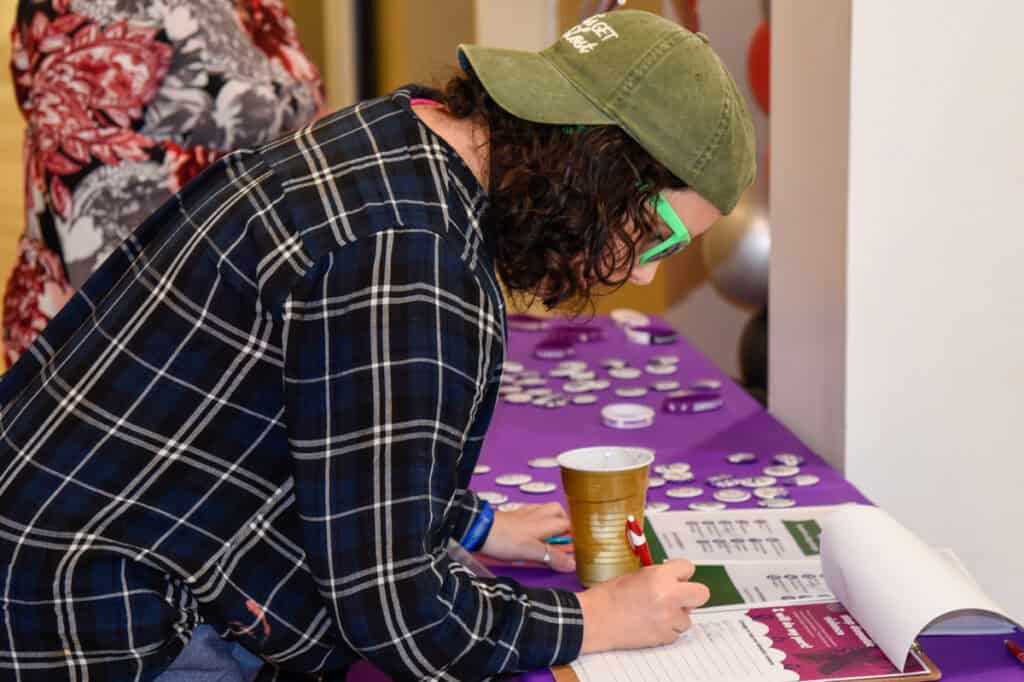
(309, 21)
(12, 131)
(416, 41)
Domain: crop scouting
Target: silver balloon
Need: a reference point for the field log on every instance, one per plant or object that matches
(736, 249)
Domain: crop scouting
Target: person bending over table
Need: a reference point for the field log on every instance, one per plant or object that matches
(263, 411)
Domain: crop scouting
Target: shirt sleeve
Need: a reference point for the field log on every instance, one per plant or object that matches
(464, 513)
(389, 343)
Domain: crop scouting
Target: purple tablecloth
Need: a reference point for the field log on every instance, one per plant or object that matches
(522, 432)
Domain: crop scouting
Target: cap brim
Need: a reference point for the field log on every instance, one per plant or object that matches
(526, 85)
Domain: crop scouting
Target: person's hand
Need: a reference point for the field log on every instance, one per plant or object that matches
(645, 608)
(519, 535)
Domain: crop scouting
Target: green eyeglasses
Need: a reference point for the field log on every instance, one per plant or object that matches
(680, 236)
(675, 242)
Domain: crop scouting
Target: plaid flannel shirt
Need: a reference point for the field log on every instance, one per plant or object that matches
(262, 413)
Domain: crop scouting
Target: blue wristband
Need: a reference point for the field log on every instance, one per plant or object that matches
(477, 533)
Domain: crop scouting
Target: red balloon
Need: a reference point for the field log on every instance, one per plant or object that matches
(759, 70)
(686, 11)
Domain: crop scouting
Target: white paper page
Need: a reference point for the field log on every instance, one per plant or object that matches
(778, 581)
(966, 623)
(743, 534)
(762, 582)
(721, 646)
(891, 581)
(770, 643)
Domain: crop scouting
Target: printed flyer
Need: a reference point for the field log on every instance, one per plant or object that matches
(776, 643)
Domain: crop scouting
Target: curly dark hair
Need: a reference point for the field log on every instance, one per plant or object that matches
(561, 199)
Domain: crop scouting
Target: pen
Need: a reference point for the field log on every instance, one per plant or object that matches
(637, 541)
(559, 540)
(1015, 650)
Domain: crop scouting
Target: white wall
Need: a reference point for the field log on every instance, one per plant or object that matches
(807, 278)
(935, 348)
(920, 355)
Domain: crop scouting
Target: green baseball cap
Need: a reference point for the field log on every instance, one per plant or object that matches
(657, 81)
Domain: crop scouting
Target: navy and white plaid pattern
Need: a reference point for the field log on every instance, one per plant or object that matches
(263, 413)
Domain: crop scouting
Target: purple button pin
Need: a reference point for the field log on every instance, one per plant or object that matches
(692, 392)
(553, 349)
(578, 333)
(691, 403)
(651, 334)
(527, 323)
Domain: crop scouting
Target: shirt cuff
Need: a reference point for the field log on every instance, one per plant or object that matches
(553, 630)
(466, 509)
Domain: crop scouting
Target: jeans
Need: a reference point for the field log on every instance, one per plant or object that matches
(208, 658)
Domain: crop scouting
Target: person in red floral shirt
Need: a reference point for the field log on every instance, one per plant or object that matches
(126, 101)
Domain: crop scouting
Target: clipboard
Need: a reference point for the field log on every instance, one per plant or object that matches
(565, 673)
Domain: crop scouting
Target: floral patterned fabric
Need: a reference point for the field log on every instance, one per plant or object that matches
(126, 101)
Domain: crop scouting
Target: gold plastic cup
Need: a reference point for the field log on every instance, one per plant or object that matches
(604, 485)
